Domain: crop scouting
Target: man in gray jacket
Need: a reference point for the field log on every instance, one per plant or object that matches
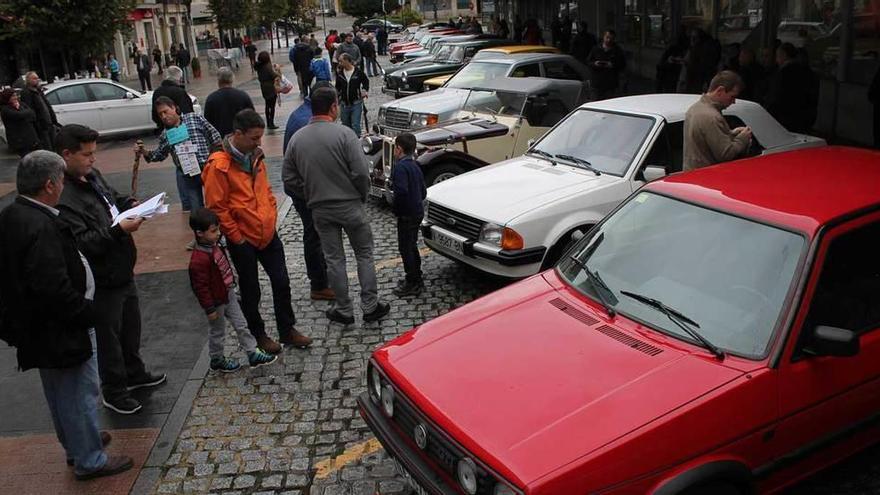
(350, 48)
(707, 137)
(325, 164)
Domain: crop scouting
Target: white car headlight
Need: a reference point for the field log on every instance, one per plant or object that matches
(422, 120)
(502, 489)
(375, 384)
(403, 77)
(467, 475)
(492, 233)
(371, 144)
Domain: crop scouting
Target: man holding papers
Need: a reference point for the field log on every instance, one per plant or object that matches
(189, 139)
(89, 206)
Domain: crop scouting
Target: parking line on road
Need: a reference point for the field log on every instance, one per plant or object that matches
(328, 466)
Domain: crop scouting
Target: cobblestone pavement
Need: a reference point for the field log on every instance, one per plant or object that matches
(293, 427)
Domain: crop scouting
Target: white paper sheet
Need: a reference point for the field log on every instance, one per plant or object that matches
(148, 209)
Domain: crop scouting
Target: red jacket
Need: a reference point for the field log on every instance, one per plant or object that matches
(206, 280)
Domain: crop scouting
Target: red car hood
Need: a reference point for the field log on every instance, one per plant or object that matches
(529, 386)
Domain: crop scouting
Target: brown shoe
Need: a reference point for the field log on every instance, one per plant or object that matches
(324, 295)
(105, 439)
(265, 343)
(114, 465)
(296, 339)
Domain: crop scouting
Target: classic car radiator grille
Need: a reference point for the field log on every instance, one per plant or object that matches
(397, 119)
(454, 221)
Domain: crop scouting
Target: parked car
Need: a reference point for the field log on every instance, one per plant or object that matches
(408, 79)
(374, 24)
(436, 82)
(718, 333)
(571, 178)
(413, 112)
(398, 54)
(104, 105)
(327, 12)
(497, 122)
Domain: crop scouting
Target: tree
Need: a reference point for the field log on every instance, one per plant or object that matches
(85, 26)
(361, 8)
(231, 14)
(269, 11)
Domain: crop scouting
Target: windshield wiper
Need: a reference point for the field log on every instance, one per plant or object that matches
(678, 318)
(580, 161)
(548, 156)
(598, 285)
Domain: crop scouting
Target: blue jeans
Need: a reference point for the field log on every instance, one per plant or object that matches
(190, 191)
(351, 115)
(72, 394)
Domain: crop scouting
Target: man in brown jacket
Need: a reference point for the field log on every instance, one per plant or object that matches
(707, 137)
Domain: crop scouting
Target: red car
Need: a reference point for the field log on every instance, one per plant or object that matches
(717, 333)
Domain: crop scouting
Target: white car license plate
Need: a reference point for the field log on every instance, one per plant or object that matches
(376, 192)
(448, 243)
(417, 489)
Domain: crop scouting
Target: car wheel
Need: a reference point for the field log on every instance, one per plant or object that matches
(441, 172)
(713, 488)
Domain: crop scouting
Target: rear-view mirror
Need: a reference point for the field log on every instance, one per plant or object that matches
(833, 341)
(653, 172)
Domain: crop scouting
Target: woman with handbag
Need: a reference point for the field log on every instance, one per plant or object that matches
(266, 75)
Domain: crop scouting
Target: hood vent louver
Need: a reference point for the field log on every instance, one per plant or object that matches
(606, 330)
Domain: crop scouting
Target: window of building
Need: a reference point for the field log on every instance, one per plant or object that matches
(866, 41)
(659, 22)
(738, 20)
(633, 20)
(698, 14)
(812, 26)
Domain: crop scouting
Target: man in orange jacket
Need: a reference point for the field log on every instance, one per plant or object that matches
(237, 190)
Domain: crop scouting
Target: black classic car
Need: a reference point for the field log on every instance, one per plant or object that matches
(409, 79)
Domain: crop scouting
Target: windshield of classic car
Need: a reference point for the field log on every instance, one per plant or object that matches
(477, 72)
(728, 274)
(443, 53)
(495, 102)
(608, 141)
(456, 56)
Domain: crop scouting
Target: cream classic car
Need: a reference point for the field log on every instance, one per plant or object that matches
(498, 121)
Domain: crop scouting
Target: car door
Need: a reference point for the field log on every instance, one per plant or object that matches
(73, 105)
(826, 401)
(121, 109)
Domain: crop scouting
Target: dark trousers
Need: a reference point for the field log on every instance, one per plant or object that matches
(877, 125)
(245, 258)
(316, 267)
(408, 244)
(118, 335)
(144, 77)
(270, 110)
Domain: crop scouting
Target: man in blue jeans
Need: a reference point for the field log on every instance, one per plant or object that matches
(352, 85)
(46, 288)
(316, 266)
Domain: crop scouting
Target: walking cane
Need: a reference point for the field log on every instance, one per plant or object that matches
(134, 168)
(366, 121)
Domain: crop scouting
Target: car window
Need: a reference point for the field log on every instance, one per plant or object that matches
(667, 150)
(476, 73)
(755, 147)
(104, 91)
(69, 94)
(557, 69)
(528, 70)
(545, 112)
(848, 293)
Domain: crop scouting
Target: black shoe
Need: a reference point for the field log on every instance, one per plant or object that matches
(123, 405)
(271, 126)
(409, 289)
(381, 310)
(147, 380)
(338, 317)
(114, 465)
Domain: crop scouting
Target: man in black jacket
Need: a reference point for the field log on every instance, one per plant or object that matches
(144, 65)
(302, 60)
(46, 287)
(606, 62)
(88, 206)
(172, 87)
(352, 86)
(33, 97)
(793, 94)
(183, 60)
(222, 105)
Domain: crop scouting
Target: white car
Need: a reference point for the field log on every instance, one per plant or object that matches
(517, 217)
(104, 105)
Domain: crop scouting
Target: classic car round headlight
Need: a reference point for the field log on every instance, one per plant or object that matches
(403, 77)
(492, 233)
(388, 400)
(502, 489)
(467, 475)
(375, 384)
(370, 144)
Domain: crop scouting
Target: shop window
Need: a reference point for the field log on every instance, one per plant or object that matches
(633, 20)
(659, 23)
(812, 26)
(698, 14)
(866, 41)
(738, 21)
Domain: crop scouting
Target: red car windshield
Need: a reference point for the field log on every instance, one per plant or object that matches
(726, 275)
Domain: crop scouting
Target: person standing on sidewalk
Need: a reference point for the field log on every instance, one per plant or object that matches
(47, 123)
(325, 165)
(316, 266)
(222, 105)
(189, 139)
(213, 283)
(88, 206)
(319, 68)
(142, 63)
(301, 57)
(47, 289)
(237, 190)
(350, 48)
(409, 198)
(172, 87)
(352, 86)
(183, 61)
(266, 75)
(113, 67)
(371, 66)
(708, 139)
(157, 59)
